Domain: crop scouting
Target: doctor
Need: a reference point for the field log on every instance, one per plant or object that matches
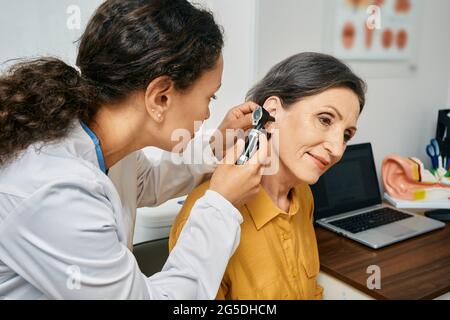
(72, 175)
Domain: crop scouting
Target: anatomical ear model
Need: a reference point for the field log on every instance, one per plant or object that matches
(407, 179)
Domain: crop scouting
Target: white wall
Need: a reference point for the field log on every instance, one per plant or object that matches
(448, 97)
(38, 28)
(401, 111)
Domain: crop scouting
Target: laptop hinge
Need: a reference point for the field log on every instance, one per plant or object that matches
(352, 213)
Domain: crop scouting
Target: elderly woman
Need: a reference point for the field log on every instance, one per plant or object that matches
(316, 101)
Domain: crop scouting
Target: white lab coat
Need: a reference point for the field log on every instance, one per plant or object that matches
(66, 230)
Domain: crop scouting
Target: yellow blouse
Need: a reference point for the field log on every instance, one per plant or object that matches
(277, 257)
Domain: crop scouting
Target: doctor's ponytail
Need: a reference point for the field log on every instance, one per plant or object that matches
(125, 46)
(38, 101)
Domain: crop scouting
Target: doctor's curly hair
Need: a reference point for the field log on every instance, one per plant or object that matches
(125, 46)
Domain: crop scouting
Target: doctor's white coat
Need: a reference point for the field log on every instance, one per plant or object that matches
(66, 228)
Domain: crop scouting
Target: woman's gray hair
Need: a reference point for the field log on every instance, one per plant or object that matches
(306, 74)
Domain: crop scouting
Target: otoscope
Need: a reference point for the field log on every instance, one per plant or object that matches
(259, 119)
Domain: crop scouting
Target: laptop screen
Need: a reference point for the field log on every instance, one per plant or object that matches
(351, 184)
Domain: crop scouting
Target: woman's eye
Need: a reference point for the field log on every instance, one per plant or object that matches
(214, 97)
(325, 121)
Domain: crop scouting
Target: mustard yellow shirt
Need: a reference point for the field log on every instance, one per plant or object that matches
(277, 257)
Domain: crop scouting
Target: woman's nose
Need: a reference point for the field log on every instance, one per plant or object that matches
(335, 147)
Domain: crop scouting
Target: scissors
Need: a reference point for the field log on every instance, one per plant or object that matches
(433, 152)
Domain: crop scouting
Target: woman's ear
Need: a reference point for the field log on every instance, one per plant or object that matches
(158, 96)
(273, 105)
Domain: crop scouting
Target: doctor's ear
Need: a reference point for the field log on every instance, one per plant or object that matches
(158, 97)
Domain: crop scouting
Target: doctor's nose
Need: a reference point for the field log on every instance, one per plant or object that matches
(207, 115)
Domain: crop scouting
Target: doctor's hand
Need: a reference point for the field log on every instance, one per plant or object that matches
(239, 117)
(239, 183)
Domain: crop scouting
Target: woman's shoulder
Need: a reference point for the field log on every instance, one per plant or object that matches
(185, 211)
(193, 196)
(198, 192)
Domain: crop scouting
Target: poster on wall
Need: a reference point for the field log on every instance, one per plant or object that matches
(375, 29)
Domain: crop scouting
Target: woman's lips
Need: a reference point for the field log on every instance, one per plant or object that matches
(319, 161)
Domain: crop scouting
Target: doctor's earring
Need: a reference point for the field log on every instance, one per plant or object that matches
(158, 115)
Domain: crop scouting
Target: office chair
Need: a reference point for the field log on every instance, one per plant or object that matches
(151, 255)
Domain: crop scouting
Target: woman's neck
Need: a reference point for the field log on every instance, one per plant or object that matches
(278, 186)
(117, 128)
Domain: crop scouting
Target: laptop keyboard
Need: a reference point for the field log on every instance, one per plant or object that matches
(370, 220)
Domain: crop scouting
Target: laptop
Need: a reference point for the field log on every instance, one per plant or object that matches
(347, 201)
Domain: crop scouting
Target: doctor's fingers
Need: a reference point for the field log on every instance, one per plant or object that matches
(243, 115)
(245, 109)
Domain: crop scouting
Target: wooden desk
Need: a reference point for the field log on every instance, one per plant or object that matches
(418, 268)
